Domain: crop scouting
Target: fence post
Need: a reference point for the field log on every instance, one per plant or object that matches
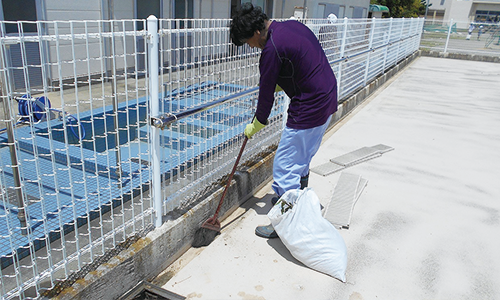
(417, 36)
(342, 53)
(154, 109)
(421, 23)
(411, 40)
(387, 44)
(408, 40)
(400, 40)
(448, 37)
(370, 45)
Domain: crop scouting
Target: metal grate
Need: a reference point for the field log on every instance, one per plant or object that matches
(355, 157)
(146, 290)
(345, 195)
(382, 148)
(327, 168)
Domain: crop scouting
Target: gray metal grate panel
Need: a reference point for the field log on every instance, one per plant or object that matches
(382, 148)
(327, 168)
(361, 186)
(356, 156)
(346, 193)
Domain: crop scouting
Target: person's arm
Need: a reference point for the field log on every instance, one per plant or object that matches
(270, 65)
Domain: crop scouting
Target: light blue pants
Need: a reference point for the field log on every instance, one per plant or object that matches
(295, 151)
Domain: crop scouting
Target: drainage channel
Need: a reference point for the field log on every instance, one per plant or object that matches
(148, 291)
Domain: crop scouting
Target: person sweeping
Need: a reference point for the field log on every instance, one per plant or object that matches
(292, 58)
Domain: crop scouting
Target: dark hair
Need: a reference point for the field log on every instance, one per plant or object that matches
(245, 22)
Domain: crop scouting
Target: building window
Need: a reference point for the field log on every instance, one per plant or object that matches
(442, 2)
(327, 8)
(357, 12)
(266, 5)
(183, 9)
(341, 11)
(15, 10)
(145, 8)
(322, 11)
(258, 3)
(487, 16)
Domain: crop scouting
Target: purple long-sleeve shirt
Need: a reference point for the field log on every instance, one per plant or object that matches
(293, 59)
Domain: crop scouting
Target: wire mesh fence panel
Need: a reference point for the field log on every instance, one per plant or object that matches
(199, 65)
(74, 108)
(480, 38)
(76, 141)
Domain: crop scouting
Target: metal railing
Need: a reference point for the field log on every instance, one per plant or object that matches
(107, 128)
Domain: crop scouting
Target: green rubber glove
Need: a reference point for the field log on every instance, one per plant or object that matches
(253, 128)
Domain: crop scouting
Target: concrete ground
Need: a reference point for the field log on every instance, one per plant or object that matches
(425, 227)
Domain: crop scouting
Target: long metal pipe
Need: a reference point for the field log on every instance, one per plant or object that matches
(167, 119)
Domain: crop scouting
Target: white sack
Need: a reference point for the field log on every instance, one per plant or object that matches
(308, 236)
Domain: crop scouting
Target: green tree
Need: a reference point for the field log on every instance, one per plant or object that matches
(403, 8)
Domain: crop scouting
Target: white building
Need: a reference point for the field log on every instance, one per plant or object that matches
(48, 10)
(464, 11)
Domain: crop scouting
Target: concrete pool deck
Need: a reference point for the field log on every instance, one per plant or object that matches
(425, 227)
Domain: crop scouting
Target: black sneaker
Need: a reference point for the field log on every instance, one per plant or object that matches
(304, 181)
(267, 232)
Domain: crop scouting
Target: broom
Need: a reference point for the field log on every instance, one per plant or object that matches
(211, 228)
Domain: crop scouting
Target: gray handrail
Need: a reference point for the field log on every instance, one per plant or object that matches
(168, 118)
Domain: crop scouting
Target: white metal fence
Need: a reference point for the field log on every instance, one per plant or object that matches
(461, 37)
(83, 170)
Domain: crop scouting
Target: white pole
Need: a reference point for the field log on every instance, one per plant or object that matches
(341, 63)
(370, 45)
(400, 40)
(448, 37)
(387, 46)
(154, 108)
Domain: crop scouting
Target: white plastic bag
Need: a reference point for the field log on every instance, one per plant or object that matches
(308, 236)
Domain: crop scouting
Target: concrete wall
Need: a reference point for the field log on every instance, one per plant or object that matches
(359, 3)
(65, 10)
(150, 255)
(460, 13)
(73, 10)
(473, 57)
(436, 4)
(123, 9)
(204, 9)
(222, 9)
(313, 7)
(212, 9)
